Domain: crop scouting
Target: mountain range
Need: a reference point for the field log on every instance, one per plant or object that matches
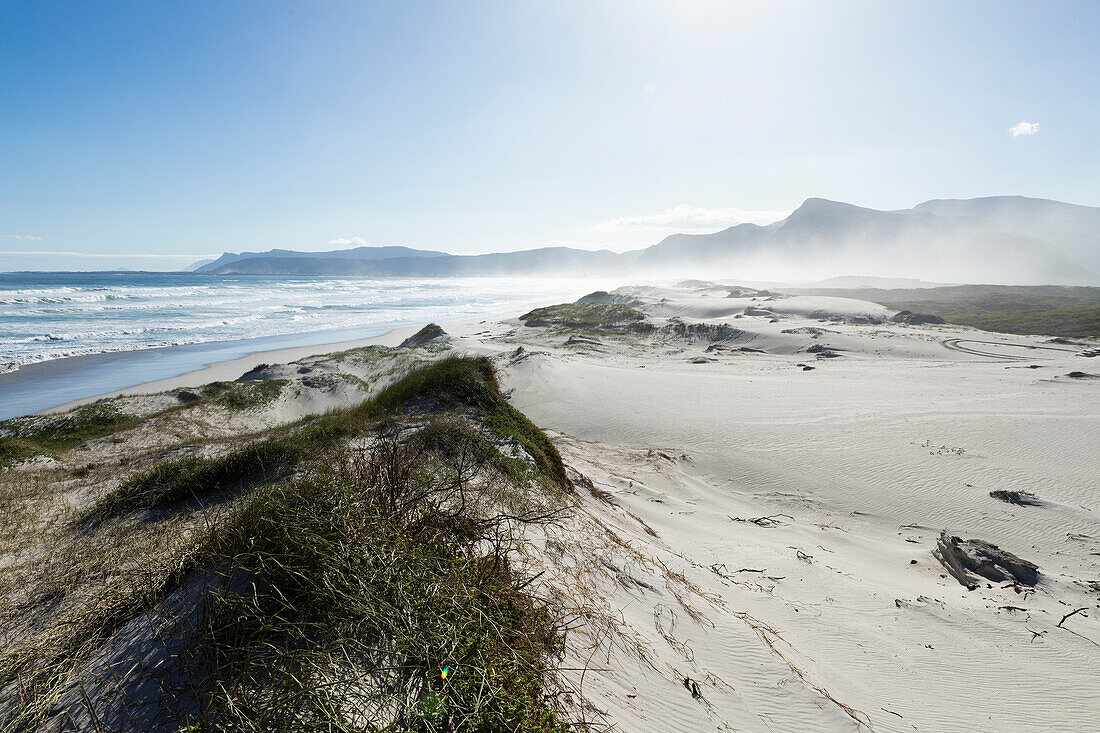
(1001, 239)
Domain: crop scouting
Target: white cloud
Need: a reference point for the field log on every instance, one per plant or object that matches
(24, 237)
(1024, 128)
(345, 241)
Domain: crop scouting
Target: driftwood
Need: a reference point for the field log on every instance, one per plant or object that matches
(768, 521)
(1020, 498)
(1074, 612)
(965, 560)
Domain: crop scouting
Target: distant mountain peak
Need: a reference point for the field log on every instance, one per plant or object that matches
(1005, 239)
(819, 204)
(818, 212)
(369, 254)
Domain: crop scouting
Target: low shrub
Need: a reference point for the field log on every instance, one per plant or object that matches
(584, 315)
(244, 395)
(44, 434)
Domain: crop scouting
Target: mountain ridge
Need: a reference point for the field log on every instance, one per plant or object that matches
(1011, 239)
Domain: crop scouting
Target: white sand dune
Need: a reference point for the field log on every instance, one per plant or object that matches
(752, 548)
(831, 613)
(712, 304)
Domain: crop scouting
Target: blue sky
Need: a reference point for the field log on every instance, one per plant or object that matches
(188, 128)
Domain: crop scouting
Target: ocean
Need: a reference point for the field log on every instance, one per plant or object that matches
(161, 325)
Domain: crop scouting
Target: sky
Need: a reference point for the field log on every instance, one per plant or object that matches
(152, 134)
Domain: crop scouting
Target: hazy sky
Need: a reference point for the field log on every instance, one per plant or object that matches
(196, 127)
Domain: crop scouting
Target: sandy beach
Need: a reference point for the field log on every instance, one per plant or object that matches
(761, 486)
(769, 531)
(58, 385)
(590, 367)
(230, 369)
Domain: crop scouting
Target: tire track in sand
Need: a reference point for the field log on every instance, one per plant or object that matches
(956, 345)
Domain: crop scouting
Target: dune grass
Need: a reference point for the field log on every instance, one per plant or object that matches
(701, 331)
(1072, 312)
(447, 384)
(25, 437)
(46, 434)
(14, 449)
(351, 614)
(244, 395)
(193, 477)
(471, 382)
(587, 316)
(345, 589)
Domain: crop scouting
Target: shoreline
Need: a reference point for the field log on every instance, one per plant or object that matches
(230, 369)
(62, 379)
(55, 375)
(793, 474)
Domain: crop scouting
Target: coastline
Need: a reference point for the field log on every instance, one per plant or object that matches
(49, 378)
(744, 514)
(230, 369)
(57, 376)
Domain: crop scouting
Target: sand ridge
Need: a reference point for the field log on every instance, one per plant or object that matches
(765, 532)
(760, 483)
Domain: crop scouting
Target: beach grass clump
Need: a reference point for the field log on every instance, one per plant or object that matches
(362, 354)
(195, 477)
(1020, 498)
(701, 331)
(13, 450)
(329, 574)
(244, 395)
(811, 331)
(454, 382)
(80, 425)
(360, 612)
(44, 434)
(451, 436)
(609, 316)
(471, 383)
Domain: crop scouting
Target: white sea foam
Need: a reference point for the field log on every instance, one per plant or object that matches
(51, 316)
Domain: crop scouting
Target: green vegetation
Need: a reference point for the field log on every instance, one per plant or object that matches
(454, 382)
(472, 383)
(33, 435)
(336, 582)
(450, 435)
(244, 395)
(701, 331)
(1070, 312)
(25, 437)
(193, 477)
(352, 611)
(363, 354)
(86, 469)
(13, 450)
(610, 316)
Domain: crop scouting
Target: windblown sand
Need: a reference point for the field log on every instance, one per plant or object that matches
(752, 546)
(763, 550)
